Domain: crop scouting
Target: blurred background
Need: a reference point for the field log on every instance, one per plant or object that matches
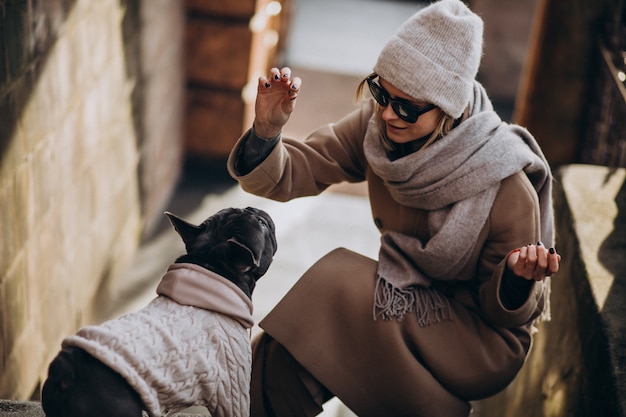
(113, 111)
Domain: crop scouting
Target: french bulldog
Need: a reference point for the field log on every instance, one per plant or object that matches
(188, 346)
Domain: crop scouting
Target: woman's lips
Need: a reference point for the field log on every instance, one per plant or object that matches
(392, 128)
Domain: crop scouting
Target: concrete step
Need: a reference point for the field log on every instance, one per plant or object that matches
(20, 408)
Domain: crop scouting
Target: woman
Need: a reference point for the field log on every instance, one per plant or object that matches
(445, 315)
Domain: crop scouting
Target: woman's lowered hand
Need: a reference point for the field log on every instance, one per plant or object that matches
(534, 262)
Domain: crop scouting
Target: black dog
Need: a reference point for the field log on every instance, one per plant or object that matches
(189, 346)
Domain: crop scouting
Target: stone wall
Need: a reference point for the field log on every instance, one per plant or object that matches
(80, 113)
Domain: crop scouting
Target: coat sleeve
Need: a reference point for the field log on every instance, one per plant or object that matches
(514, 222)
(294, 168)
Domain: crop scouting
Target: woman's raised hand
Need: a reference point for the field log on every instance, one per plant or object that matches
(276, 99)
(534, 262)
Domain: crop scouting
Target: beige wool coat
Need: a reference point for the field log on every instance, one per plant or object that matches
(397, 368)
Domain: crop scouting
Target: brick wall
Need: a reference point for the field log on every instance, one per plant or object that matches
(89, 147)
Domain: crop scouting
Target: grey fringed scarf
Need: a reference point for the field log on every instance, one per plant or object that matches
(456, 179)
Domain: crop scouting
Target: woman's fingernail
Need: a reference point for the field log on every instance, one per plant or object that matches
(539, 243)
(268, 85)
(285, 75)
(277, 77)
(552, 251)
(515, 250)
(294, 86)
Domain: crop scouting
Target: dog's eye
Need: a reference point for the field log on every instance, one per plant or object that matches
(263, 222)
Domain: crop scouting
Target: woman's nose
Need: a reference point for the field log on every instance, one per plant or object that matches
(388, 114)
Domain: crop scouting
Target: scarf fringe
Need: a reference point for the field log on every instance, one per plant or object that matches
(429, 305)
(546, 314)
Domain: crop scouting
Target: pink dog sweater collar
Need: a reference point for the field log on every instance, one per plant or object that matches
(193, 285)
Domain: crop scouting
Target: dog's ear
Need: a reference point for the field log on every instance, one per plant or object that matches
(187, 231)
(243, 254)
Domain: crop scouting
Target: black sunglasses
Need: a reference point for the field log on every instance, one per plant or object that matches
(405, 110)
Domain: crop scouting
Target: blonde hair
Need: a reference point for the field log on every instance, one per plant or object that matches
(445, 124)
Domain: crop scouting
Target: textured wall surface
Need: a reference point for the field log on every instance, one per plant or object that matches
(80, 110)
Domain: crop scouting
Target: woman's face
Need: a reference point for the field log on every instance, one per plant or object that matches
(400, 131)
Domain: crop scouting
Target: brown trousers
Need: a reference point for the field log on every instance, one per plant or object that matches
(280, 386)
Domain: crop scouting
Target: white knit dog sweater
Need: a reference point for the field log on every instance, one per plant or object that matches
(189, 346)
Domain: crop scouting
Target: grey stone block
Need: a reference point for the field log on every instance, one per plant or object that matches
(20, 408)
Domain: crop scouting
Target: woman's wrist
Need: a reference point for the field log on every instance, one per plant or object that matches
(514, 290)
(264, 131)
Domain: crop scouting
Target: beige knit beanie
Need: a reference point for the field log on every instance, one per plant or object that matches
(435, 55)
